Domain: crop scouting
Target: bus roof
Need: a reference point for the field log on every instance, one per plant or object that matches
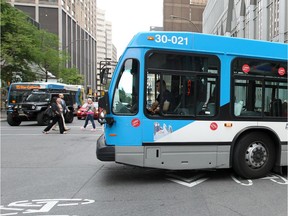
(205, 43)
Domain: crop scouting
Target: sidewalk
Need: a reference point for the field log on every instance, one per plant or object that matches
(3, 115)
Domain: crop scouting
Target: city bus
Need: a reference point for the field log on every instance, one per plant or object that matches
(227, 106)
(27, 101)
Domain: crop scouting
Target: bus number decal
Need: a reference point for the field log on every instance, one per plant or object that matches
(174, 39)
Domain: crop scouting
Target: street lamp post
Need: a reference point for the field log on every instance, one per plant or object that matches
(74, 42)
(183, 18)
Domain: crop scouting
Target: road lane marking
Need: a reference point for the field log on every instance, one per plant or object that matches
(188, 182)
(40, 206)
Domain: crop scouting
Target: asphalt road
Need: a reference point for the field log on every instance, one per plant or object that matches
(59, 175)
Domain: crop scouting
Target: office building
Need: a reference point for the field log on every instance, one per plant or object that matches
(106, 51)
(75, 23)
(254, 19)
(183, 15)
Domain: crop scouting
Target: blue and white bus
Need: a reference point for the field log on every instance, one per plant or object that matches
(228, 106)
(27, 101)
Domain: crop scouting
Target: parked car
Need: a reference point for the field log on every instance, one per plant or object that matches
(81, 113)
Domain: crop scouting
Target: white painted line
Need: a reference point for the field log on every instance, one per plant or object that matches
(24, 203)
(7, 214)
(192, 184)
(250, 182)
(46, 208)
(189, 180)
(87, 201)
(68, 204)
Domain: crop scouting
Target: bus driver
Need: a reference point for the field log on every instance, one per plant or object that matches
(164, 99)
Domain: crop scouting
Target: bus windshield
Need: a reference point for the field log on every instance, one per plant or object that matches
(38, 98)
(17, 96)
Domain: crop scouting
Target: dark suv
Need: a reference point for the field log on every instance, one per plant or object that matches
(33, 107)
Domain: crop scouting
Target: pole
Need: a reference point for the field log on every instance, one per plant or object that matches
(183, 18)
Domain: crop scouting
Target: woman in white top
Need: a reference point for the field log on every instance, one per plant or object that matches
(90, 110)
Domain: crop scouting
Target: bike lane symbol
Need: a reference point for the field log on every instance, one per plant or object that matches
(272, 177)
(40, 205)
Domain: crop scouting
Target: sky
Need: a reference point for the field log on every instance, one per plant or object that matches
(129, 17)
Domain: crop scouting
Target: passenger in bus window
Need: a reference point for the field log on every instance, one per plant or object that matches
(163, 101)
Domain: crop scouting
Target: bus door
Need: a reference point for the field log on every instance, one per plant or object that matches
(125, 129)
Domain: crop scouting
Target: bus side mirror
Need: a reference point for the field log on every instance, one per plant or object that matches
(104, 103)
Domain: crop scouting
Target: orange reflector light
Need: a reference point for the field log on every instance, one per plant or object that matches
(150, 38)
(112, 135)
(228, 124)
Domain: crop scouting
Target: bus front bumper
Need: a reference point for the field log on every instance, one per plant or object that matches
(103, 151)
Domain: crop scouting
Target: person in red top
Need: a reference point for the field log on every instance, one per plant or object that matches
(90, 109)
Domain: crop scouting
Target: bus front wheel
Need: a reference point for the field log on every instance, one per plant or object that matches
(254, 155)
(13, 120)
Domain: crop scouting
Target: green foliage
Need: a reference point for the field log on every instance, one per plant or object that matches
(124, 98)
(16, 42)
(71, 76)
(26, 49)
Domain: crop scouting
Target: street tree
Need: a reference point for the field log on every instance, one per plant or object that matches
(71, 76)
(17, 43)
(26, 49)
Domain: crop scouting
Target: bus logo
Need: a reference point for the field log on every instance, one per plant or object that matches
(213, 126)
(135, 122)
(281, 71)
(246, 68)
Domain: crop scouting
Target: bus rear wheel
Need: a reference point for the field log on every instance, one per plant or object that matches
(254, 155)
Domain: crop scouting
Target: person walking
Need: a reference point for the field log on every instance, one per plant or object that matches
(65, 110)
(90, 110)
(57, 109)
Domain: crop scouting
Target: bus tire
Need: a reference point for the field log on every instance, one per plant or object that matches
(69, 117)
(42, 119)
(13, 120)
(254, 155)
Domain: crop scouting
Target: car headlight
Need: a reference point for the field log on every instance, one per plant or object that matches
(33, 107)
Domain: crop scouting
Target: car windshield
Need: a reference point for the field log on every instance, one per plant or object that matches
(38, 98)
(95, 105)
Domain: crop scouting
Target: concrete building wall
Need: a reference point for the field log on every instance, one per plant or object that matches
(75, 24)
(254, 19)
(183, 15)
(105, 49)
